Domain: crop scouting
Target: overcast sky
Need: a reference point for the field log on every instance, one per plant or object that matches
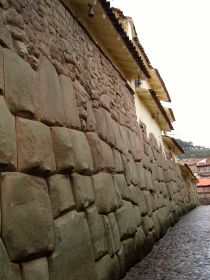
(175, 35)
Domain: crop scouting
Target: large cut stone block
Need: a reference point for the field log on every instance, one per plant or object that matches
(20, 90)
(97, 232)
(83, 190)
(139, 241)
(70, 106)
(1, 71)
(107, 268)
(105, 192)
(5, 37)
(118, 161)
(8, 150)
(27, 220)
(103, 158)
(61, 195)
(72, 247)
(81, 152)
(8, 270)
(36, 269)
(126, 220)
(105, 126)
(64, 154)
(35, 150)
(52, 109)
(91, 121)
(115, 231)
(109, 236)
(122, 186)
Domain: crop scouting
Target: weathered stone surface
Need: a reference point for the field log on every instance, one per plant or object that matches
(20, 90)
(103, 158)
(128, 245)
(118, 161)
(64, 154)
(105, 126)
(83, 190)
(134, 194)
(8, 270)
(35, 150)
(156, 223)
(126, 220)
(27, 220)
(71, 112)
(139, 241)
(142, 203)
(5, 37)
(81, 152)
(104, 184)
(1, 71)
(141, 174)
(122, 261)
(106, 269)
(35, 270)
(122, 186)
(72, 247)
(97, 232)
(8, 150)
(115, 231)
(60, 194)
(91, 121)
(148, 179)
(52, 109)
(147, 224)
(109, 236)
(148, 200)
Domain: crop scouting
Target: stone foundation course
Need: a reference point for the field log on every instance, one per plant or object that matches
(84, 191)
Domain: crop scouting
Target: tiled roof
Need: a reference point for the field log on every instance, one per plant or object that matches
(202, 182)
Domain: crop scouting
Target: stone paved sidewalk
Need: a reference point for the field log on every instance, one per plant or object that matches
(182, 254)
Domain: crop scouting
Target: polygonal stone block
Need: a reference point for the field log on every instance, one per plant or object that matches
(148, 200)
(97, 232)
(104, 126)
(109, 236)
(91, 121)
(139, 242)
(52, 109)
(35, 269)
(63, 148)
(1, 71)
(147, 224)
(106, 269)
(71, 112)
(8, 270)
(118, 161)
(104, 184)
(128, 245)
(35, 150)
(126, 220)
(81, 152)
(27, 220)
(8, 146)
(103, 158)
(5, 37)
(61, 195)
(156, 223)
(83, 191)
(115, 231)
(72, 247)
(141, 174)
(20, 90)
(122, 186)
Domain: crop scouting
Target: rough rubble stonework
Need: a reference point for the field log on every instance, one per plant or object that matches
(84, 190)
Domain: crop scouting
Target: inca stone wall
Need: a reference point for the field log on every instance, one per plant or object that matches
(84, 192)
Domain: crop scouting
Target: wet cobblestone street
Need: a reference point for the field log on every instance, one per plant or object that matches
(182, 254)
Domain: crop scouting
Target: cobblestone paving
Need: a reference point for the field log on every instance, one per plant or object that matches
(182, 254)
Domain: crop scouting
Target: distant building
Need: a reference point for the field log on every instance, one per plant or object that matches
(192, 163)
(203, 189)
(203, 167)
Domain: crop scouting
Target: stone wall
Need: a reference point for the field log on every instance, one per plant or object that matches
(84, 192)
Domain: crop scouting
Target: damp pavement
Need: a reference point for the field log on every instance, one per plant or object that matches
(182, 254)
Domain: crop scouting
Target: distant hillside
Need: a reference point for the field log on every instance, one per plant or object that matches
(192, 151)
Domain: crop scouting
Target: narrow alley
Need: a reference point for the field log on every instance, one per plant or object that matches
(182, 254)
